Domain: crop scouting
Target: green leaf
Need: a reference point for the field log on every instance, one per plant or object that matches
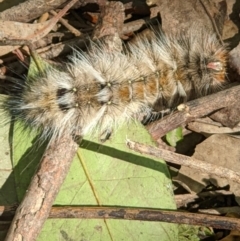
(103, 174)
(27, 152)
(194, 233)
(174, 136)
(7, 181)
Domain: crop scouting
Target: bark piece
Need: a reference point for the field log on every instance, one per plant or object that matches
(195, 109)
(36, 205)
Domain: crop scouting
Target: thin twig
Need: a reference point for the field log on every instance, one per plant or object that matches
(143, 214)
(213, 21)
(67, 25)
(191, 162)
(36, 205)
(195, 109)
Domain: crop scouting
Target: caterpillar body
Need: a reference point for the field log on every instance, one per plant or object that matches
(101, 90)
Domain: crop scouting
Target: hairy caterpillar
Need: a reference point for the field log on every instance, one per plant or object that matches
(100, 90)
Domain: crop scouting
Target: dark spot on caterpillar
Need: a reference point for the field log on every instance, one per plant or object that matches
(62, 106)
(200, 72)
(189, 76)
(102, 86)
(61, 92)
(186, 61)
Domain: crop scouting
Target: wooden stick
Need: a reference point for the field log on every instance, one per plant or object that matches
(195, 109)
(144, 214)
(191, 162)
(36, 205)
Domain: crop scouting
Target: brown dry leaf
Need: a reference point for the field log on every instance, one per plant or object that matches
(230, 29)
(207, 125)
(23, 31)
(228, 116)
(179, 15)
(11, 30)
(222, 150)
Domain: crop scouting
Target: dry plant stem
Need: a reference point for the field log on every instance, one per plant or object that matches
(57, 17)
(67, 25)
(195, 109)
(154, 215)
(213, 21)
(191, 162)
(36, 205)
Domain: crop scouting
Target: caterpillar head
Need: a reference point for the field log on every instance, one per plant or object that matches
(208, 63)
